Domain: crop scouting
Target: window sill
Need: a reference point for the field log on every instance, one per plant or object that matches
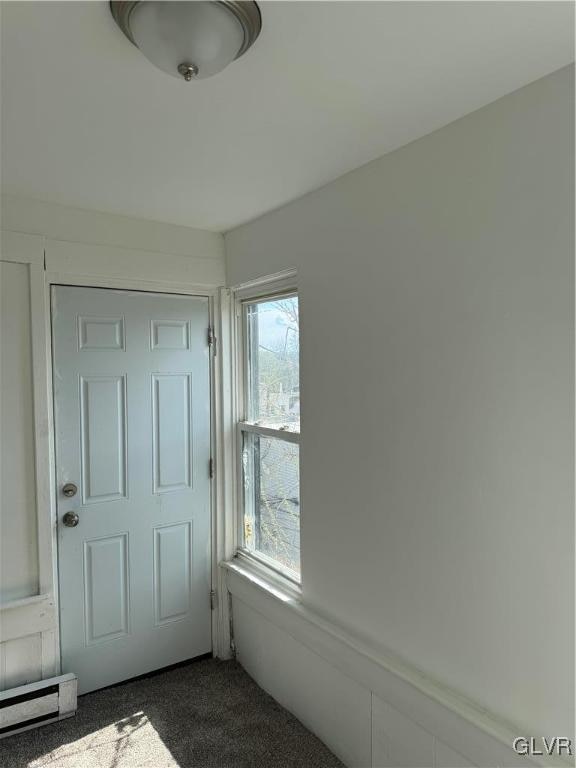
(264, 578)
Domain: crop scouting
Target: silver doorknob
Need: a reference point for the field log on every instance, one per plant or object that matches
(71, 519)
(69, 490)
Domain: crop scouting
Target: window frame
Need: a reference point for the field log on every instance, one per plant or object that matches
(278, 287)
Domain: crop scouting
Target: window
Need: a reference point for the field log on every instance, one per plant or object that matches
(270, 433)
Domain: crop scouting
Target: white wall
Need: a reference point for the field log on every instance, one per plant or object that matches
(437, 293)
(44, 243)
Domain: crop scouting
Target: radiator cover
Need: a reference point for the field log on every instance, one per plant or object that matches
(30, 706)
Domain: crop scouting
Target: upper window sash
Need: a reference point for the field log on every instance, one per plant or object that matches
(259, 290)
(248, 362)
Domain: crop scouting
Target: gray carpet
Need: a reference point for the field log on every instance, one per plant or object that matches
(208, 714)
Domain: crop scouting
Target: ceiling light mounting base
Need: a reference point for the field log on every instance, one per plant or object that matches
(188, 71)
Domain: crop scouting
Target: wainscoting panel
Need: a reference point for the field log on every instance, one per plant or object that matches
(369, 707)
(20, 661)
(397, 740)
(330, 704)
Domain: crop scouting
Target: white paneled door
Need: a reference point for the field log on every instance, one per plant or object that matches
(132, 409)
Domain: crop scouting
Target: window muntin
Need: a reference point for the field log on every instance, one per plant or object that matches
(270, 433)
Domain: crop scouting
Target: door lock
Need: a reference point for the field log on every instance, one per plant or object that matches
(71, 519)
(69, 490)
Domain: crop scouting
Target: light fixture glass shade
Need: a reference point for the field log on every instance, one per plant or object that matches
(204, 36)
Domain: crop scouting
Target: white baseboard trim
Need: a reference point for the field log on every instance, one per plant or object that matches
(469, 729)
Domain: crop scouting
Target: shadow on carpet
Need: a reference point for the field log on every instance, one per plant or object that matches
(208, 714)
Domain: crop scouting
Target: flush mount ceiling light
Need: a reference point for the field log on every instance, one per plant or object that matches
(190, 39)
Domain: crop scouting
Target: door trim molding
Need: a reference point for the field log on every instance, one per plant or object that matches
(124, 284)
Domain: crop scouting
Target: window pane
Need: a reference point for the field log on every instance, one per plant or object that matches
(273, 362)
(272, 505)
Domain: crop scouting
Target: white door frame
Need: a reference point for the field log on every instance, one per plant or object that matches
(48, 549)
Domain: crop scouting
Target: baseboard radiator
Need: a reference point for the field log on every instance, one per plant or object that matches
(37, 704)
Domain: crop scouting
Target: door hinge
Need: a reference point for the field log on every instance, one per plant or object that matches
(211, 468)
(211, 339)
(212, 599)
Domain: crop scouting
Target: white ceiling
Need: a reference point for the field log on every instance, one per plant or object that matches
(328, 86)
